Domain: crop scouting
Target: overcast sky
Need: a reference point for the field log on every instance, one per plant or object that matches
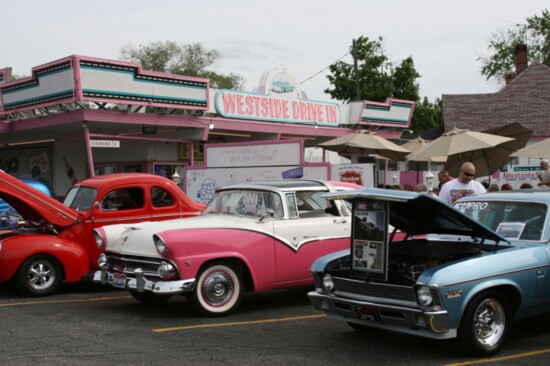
(444, 38)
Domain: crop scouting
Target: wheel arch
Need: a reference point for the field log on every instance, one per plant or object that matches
(509, 290)
(44, 254)
(71, 256)
(239, 264)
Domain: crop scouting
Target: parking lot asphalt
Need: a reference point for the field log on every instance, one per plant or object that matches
(88, 324)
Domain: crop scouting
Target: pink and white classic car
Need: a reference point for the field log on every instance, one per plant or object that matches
(251, 237)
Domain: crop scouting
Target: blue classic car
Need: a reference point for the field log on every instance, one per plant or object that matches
(8, 215)
(461, 272)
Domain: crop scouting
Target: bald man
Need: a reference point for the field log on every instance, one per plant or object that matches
(464, 185)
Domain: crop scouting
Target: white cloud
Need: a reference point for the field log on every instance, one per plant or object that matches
(444, 38)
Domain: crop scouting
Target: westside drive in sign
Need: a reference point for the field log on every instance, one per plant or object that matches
(264, 107)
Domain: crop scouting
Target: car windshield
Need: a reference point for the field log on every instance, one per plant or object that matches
(80, 198)
(246, 203)
(512, 220)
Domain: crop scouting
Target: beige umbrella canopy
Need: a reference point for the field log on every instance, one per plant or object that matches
(415, 144)
(462, 145)
(365, 142)
(539, 150)
(418, 143)
(489, 160)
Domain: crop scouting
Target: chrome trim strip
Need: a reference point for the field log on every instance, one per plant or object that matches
(493, 276)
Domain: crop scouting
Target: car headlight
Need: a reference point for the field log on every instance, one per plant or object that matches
(166, 270)
(328, 284)
(424, 296)
(159, 244)
(99, 241)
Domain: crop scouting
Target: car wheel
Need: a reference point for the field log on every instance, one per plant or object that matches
(486, 324)
(39, 275)
(149, 298)
(218, 290)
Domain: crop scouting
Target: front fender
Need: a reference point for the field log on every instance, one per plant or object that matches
(17, 249)
(190, 249)
(332, 261)
(191, 266)
(457, 309)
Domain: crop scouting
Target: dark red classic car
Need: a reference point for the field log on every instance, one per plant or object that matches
(53, 241)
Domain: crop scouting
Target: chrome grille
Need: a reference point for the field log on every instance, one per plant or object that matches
(127, 264)
(386, 291)
(382, 290)
(436, 297)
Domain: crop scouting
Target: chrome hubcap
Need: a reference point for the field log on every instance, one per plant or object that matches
(40, 276)
(218, 288)
(489, 322)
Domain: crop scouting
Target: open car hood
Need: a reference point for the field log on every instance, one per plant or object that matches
(34, 205)
(421, 214)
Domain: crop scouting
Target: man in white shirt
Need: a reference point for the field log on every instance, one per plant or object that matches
(544, 177)
(463, 186)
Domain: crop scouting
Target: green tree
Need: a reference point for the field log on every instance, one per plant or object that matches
(181, 59)
(404, 81)
(535, 33)
(427, 115)
(380, 80)
(374, 82)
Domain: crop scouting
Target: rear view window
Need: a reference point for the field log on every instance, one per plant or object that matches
(123, 199)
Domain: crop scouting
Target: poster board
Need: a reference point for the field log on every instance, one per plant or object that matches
(257, 161)
(201, 183)
(258, 154)
(362, 174)
(369, 239)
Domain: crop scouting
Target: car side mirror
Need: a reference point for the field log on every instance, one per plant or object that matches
(268, 213)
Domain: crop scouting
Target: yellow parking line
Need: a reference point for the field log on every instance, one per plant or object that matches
(63, 301)
(500, 359)
(162, 330)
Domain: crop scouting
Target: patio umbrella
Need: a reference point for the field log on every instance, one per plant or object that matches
(539, 150)
(365, 142)
(417, 144)
(489, 160)
(460, 146)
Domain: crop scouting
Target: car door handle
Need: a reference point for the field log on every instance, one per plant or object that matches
(310, 236)
(340, 221)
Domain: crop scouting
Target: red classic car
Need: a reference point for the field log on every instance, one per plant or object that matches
(54, 240)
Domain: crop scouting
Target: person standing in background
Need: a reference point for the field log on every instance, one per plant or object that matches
(463, 186)
(544, 176)
(443, 177)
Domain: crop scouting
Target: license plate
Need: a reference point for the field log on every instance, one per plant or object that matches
(119, 280)
(365, 314)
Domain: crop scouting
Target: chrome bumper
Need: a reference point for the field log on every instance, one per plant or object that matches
(140, 284)
(430, 324)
